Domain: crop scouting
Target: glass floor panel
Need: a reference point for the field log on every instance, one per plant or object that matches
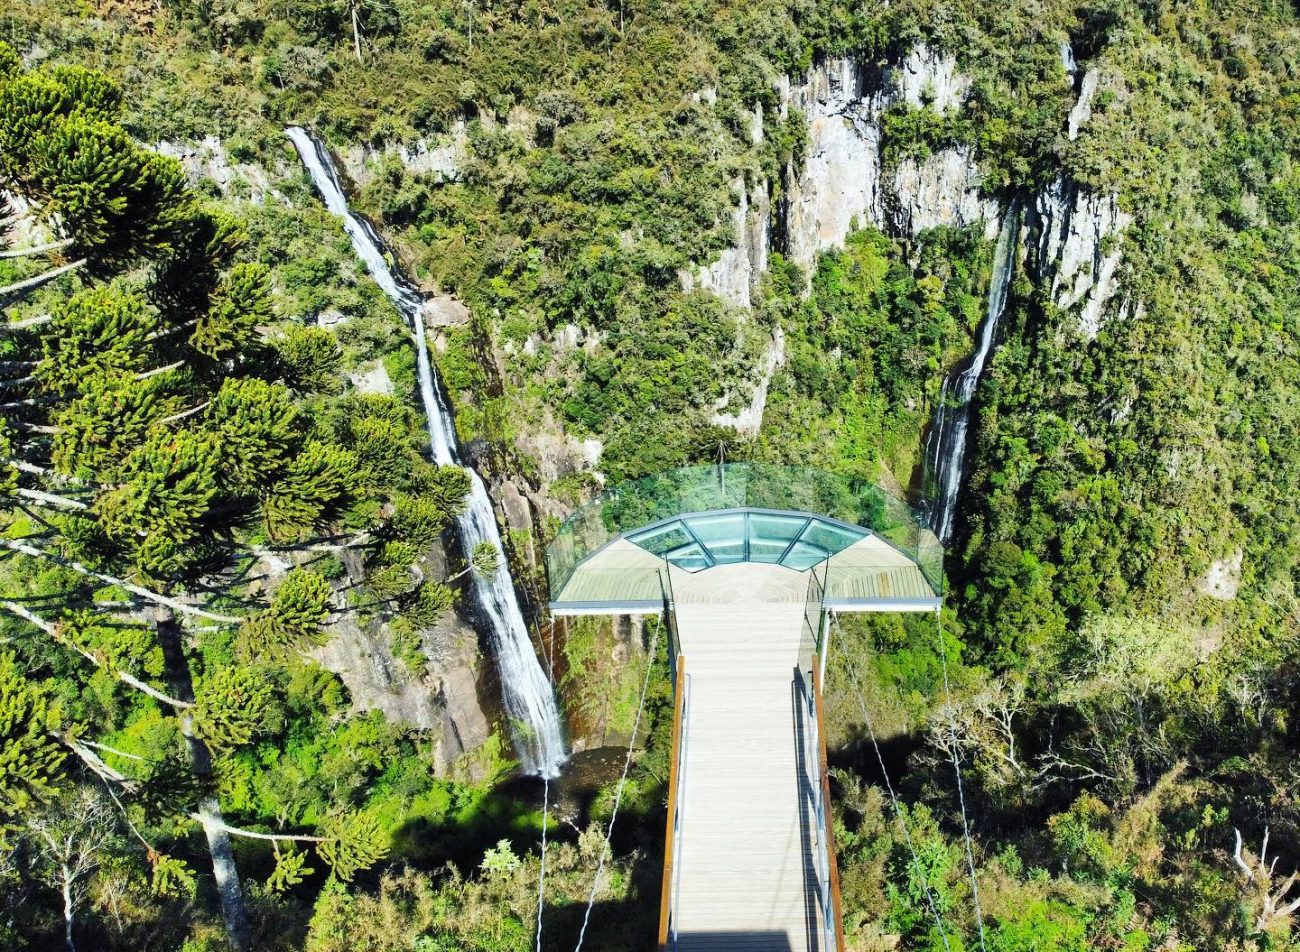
(795, 541)
(663, 539)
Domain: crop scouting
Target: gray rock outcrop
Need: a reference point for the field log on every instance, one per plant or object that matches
(734, 276)
(209, 159)
(839, 183)
(372, 378)
(749, 420)
(942, 189)
(1081, 112)
(440, 158)
(1222, 580)
(444, 701)
(1080, 249)
(25, 229)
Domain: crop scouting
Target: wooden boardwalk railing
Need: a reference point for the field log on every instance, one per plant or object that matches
(836, 903)
(670, 832)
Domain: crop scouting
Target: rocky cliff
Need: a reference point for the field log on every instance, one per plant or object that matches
(209, 160)
(735, 275)
(844, 180)
(440, 158)
(1079, 249)
(844, 177)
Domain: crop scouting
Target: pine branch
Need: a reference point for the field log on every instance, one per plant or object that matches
(36, 249)
(31, 284)
(145, 593)
(52, 630)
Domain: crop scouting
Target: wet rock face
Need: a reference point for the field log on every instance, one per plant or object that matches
(445, 701)
(375, 679)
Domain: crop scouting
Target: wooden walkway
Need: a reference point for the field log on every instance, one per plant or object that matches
(746, 877)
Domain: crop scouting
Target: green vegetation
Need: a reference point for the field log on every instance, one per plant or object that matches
(867, 348)
(166, 443)
(179, 413)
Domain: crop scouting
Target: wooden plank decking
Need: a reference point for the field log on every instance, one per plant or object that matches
(746, 877)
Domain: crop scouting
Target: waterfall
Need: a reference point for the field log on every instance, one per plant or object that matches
(528, 696)
(945, 451)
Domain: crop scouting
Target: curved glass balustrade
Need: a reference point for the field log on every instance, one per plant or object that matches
(700, 516)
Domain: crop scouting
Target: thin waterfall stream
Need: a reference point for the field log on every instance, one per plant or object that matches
(948, 440)
(528, 696)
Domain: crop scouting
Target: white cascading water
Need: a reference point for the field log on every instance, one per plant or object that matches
(947, 442)
(529, 699)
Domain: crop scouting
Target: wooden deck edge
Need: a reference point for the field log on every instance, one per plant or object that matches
(666, 889)
(836, 901)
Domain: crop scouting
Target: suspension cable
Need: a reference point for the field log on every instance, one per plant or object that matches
(956, 767)
(889, 787)
(618, 794)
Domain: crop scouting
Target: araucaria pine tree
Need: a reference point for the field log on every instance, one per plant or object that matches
(153, 439)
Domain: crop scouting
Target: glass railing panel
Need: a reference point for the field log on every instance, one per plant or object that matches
(702, 489)
(804, 556)
(830, 538)
(767, 551)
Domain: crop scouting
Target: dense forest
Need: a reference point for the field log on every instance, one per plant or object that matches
(243, 700)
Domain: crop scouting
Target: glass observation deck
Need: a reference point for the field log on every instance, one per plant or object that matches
(702, 541)
(619, 552)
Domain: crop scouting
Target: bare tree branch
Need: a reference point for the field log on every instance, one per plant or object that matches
(35, 282)
(171, 603)
(53, 631)
(50, 499)
(36, 249)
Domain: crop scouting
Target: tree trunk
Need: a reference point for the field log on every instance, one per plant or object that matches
(68, 910)
(229, 891)
(356, 32)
